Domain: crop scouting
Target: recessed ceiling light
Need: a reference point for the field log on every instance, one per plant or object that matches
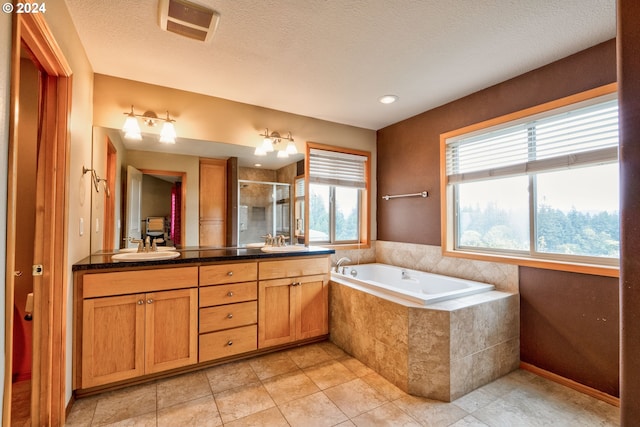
(388, 99)
(257, 165)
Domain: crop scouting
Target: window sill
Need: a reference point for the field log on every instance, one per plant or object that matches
(346, 246)
(572, 267)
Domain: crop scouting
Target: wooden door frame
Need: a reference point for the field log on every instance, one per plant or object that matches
(109, 216)
(49, 321)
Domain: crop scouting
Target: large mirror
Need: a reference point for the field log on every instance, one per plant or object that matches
(146, 188)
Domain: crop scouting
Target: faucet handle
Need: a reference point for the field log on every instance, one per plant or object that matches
(154, 246)
(138, 241)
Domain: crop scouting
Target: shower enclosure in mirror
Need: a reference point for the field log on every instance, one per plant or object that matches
(263, 208)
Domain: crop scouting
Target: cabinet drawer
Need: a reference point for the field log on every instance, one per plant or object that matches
(138, 281)
(228, 294)
(293, 268)
(216, 345)
(228, 316)
(228, 273)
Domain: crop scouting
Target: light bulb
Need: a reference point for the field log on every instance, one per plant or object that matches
(291, 148)
(168, 133)
(267, 145)
(131, 128)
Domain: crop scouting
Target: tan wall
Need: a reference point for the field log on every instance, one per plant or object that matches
(156, 197)
(214, 119)
(79, 190)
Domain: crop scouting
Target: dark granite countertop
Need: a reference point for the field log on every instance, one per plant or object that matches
(192, 255)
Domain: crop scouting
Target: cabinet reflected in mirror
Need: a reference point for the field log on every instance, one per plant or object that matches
(180, 163)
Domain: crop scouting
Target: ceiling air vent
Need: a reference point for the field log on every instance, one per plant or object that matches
(188, 19)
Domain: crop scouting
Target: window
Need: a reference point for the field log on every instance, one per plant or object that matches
(338, 195)
(542, 186)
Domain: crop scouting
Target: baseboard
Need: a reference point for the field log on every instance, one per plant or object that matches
(612, 400)
(67, 410)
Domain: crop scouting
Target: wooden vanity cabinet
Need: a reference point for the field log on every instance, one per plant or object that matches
(228, 310)
(293, 300)
(132, 334)
(133, 323)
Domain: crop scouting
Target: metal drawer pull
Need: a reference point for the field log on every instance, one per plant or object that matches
(230, 316)
(230, 343)
(140, 302)
(230, 273)
(229, 294)
(149, 301)
(296, 284)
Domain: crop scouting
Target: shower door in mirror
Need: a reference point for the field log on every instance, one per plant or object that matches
(263, 208)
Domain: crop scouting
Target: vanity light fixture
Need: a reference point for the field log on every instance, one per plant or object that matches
(270, 140)
(131, 128)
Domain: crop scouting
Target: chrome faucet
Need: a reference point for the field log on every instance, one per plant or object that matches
(339, 264)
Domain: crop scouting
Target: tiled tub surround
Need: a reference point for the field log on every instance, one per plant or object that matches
(442, 351)
(357, 256)
(429, 258)
(411, 285)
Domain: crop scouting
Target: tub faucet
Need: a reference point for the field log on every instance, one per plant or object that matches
(339, 264)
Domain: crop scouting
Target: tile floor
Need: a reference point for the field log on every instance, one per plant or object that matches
(320, 385)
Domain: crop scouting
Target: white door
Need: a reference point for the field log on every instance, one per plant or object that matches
(134, 195)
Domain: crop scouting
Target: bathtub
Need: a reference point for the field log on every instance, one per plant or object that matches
(411, 285)
(438, 350)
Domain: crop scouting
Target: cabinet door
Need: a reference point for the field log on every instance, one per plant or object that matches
(312, 307)
(171, 336)
(276, 323)
(112, 339)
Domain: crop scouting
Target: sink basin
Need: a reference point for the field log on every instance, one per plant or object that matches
(254, 245)
(145, 256)
(160, 249)
(294, 248)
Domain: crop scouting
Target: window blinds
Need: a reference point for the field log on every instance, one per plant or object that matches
(579, 137)
(335, 168)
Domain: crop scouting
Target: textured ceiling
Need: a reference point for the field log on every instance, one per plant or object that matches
(332, 59)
